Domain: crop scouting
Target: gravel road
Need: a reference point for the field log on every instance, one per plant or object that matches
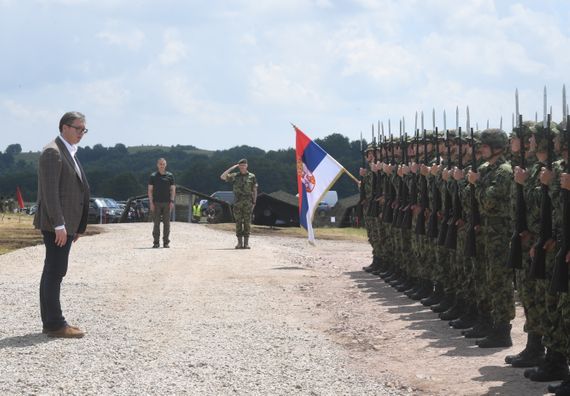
(200, 318)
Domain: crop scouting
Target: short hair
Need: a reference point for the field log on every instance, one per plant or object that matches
(160, 159)
(69, 117)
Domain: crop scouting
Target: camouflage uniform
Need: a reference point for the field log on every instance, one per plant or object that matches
(493, 187)
(243, 186)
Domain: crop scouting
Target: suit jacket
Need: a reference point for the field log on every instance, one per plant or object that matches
(63, 196)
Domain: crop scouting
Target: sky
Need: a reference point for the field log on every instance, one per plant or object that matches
(220, 74)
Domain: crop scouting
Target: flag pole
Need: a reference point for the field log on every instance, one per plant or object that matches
(352, 177)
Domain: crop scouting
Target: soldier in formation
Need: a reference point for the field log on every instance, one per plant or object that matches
(449, 215)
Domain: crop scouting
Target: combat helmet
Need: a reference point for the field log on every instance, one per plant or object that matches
(494, 138)
(540, 135)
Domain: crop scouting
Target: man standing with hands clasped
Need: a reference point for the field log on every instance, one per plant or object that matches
(161, 194)
(245, 192)
(63, 204)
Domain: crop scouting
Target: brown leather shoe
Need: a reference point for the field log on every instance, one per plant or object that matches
(45, 331)
(66, 332)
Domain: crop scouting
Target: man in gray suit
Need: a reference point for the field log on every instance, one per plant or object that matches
(63, 204)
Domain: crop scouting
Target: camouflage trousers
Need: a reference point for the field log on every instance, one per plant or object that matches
(564, 309)
(526, 291)
(372, 233)
(499, 278)
(551, 322)
(242, 214)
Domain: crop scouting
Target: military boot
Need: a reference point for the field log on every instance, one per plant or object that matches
(455, 311)
(479, 330)
(435, 297)
(444, 304)
(499, 336)
(553, 368)
(246, 242)
(240, 243)
(373, 266)
(531, 356)
(415, 285)
(562, 389)
(425, 291)
(409, 284)
(465, 321)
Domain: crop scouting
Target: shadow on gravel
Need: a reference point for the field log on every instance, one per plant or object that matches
(289, 268)
(512, 378)
(24, 341)
(419, 317)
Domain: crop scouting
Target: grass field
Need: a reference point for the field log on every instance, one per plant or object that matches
(17, 232)
(351, 234)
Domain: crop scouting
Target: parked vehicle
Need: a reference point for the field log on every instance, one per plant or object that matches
(102, 210)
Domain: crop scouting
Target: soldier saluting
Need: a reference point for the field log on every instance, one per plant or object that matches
(245, 192)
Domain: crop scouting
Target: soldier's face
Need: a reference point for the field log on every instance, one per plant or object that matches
(370, 156)
(515, 145)
(243, 168)
(486, 151)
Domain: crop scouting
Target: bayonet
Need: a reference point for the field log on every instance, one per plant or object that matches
(389, 127)
(501, 123)
(564, 105)
(517, 112)
(433, 118)
(487, 124)
(476, 126)
(444, 121)
(513, 121)
(467, 122)
(422, 120)
(456, 118)
(544, 122)
(416, 122)
(404, 125)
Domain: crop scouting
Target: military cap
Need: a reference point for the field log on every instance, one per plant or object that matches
(370, 147)
(528, 128)
(242, 161)
(494, 138)
(540, 135)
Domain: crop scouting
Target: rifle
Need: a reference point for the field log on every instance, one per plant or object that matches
(432, 222)
(408, 214)
(402, 187)
(373, 204)
(393, 193)
(441, 236)
(559, 282)
(451, 237)
(388, 211)
(538, 264)
(470, 241)
(360, 208)
(515, 258)
(424, 198)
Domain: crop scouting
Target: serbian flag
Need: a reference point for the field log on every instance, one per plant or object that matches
(19, 197)
(316, 173)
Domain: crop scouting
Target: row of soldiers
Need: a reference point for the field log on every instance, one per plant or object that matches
(443, 215)
(7, 205)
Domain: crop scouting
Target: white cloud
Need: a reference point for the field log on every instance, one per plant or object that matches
(271, 85)
(174, 50)
(181, 96)
(132, 39)
(106, 93)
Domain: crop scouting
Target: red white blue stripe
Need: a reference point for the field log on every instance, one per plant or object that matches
(316, 173)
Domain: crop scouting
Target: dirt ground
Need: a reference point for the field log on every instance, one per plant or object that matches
(375, 332)
(387, 333)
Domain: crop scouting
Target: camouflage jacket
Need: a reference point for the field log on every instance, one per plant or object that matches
(243, 186)
(493, 190)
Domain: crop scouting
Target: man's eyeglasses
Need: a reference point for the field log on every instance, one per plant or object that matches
(79, 129)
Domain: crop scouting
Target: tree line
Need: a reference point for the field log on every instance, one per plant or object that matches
(120, 172)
